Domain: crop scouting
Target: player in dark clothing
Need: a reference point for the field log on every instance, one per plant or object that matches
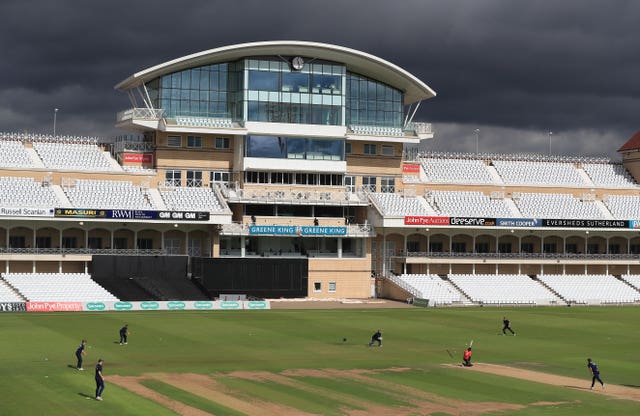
(507, 326)
(593, 368)
(99, 380)
(377, 337)
(124, 331)
(80, 353)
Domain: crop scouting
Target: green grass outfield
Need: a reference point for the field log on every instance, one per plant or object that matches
(36, 351)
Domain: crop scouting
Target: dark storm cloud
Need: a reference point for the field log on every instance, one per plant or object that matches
(514, 69)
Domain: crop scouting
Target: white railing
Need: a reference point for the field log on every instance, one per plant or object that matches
(35, 137)
(419, 127)
(133, 113)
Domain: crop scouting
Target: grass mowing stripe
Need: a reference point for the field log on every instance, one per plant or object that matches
(188, 398)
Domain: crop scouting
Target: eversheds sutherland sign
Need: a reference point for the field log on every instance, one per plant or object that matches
(131, 214)
(13, 307)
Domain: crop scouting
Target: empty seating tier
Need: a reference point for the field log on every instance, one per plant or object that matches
(623, 206)
(429, 286)
(544, 205)
(13, 154)
(590, 289)
(26, 192)
(468, 204)
(444, 170)
(108, 195)
(191, 199)
(73, 156)
(398, 205)
(537, 173)
(503, 289)
(58, 287)
(609, 174)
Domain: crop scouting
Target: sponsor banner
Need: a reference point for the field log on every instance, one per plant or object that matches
(126, 306)
(425, 220)
(202, 304)
(420, 302)
(54, 306)
(137, 158)
(576, 223)
(296, 230)
(80, 213)
(634, 224)
(228, 304)
(132, 214)
(176, 305)
(257, 304)
(13, 307)
(149, 306)
(94, 306)
(483, 222)
(410, 168)
(518, 222)
(26, 212)
(183, 215)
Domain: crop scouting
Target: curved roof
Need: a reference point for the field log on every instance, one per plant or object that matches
(355, 61)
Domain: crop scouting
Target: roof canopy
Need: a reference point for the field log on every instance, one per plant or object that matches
(355, 61)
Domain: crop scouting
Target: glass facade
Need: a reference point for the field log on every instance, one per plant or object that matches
(206, 91)
(294, 148)
(372, 103)
(277, 93)
(267, 89)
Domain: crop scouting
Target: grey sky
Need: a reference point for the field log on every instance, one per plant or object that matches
(514, 69)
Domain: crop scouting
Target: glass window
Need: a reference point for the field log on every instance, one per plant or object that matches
(347, 148)
(295, 82)
(194, 141)
(224, 177)
(194, 178)
(222, 142)
(264, 81)
(387, 150)
(350, 183)
(332, 286)
(388, 184)
(317, 286)
(174, 141)
(370, 149)
(173, 178)
(369, 183)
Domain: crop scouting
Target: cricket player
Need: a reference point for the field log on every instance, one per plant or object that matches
(377, 337)
(80, 352)
(99, 379)
(506, 326)
(593, 368)
(124, 331)
(466, 357)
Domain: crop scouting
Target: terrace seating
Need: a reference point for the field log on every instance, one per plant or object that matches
(7, 294)
(26, 192)
(609, 174)
(502, 289)
(632, 279)
(623, 206)
(204, 122)
(58, 287)
(429, 286)
(590, 289)
(449, 170)
(398, 205)
(13, 154)
(73, 156)
(108, 195)
(546, 205)
(191, 199)
(468, 204)
(537, 173)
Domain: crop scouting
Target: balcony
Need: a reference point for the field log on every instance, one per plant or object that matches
(140, 113)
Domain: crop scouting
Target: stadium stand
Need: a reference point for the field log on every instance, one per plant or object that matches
(7, 294)
(548, 205)
(623, 206)
(26, 192)
(536, 173)
(446, 170)
(609, 174)
(429, 286)
(73, 156)
(192, 199)
(58, 287)
(590, 289)
(469, 204)
(517, 289)
(87, 193)
(398, 205)
(13, 154)
(632, 279)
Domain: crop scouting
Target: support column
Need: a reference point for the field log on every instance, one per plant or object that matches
(243, 249)
(340, 248)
